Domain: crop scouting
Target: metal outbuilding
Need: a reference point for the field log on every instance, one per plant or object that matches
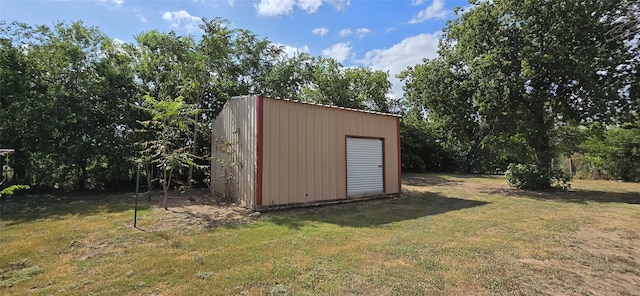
(273, 153)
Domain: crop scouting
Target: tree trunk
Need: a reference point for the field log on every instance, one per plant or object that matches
(472, 158)
(542, 120)
(543, 153)
(194, 146)
(149, 180)
(81, 175)
(542, 145)
(165, 188)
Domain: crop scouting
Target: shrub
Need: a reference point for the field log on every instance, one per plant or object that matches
(531, 177)
(615, 152)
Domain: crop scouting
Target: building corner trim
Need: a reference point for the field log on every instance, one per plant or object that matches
(399, 160)
(259, 148)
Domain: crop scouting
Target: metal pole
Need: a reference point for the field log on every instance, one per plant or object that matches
(135, 210)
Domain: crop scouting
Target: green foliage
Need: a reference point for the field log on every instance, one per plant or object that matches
(289, 76)
(532, 177)
(73, 116)
(168, 148)
(225, 166)
(422, 150)
(12, 189)
(359, 88)
(615, 152)
(522, 69)
(498, 151)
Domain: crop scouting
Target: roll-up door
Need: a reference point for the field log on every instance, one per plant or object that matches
(364, 166)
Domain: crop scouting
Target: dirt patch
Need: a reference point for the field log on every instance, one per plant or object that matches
(195, 211)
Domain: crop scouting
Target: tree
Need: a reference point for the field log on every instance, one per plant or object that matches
(69, 113)
(445, 94)
(421, 147)
(614, 151)
(358, 88)
(169, 148)
(289, 76)
(509, 68)
(370, 87)
(14, 85)
(225, 62)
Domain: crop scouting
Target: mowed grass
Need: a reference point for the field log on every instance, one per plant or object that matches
(446, 235)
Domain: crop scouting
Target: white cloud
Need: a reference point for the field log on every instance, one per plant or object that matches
(110, 3)
(320, 31)
(142, 18)
(310, 6)
(274, 7)
(417, 2)
(182, 20)
(285, 7)
(361, 32)
(434, 11)
(290, 51)
(345, 32)
(339, 51)
(339, 5)
(398, 57)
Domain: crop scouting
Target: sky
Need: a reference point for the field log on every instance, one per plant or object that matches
(387, 35)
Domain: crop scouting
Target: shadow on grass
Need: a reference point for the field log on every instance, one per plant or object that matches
(574, 196)
(25, 208)
(432, 179)
(426, 180)
(374, 213)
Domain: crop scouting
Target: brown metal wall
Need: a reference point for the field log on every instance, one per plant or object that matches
(236, 125)
(304, 158)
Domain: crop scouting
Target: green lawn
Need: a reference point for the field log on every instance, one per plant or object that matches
(448, 234)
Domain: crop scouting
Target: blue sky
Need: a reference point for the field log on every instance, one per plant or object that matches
(386, 35)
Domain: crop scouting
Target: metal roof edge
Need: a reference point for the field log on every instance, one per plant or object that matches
(317, 104)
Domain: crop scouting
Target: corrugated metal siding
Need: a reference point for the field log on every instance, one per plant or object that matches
(236, 125)
(304, 146)
(364, 166)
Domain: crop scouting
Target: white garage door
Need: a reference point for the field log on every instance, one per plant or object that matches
(364, 166)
